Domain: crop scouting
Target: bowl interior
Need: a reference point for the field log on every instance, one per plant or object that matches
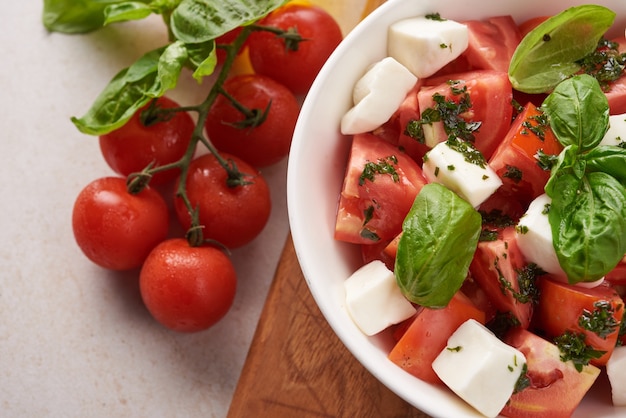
(315, 174)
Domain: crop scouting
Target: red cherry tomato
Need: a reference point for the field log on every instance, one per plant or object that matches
(296, 69)
(132, 147)
(234, 216)
(226, 38)
(185, 288)
(260, 145)
(116, 229)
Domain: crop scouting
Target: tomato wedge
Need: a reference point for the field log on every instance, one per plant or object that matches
(428, 334)
(492, 42)
(379, 188)
(515, 159)
(500, 270)
(490, 94)
(555, 387)
(596, 312)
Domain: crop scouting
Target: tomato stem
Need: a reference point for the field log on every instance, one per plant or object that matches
(291, 36)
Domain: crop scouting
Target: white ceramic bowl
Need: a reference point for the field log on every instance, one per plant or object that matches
(315, 174)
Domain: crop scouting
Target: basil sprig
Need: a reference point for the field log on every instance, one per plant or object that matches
(548, 54)
(193, 26)
(438, 242)
(588, 211)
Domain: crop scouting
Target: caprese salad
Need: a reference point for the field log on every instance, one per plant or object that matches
(486, 187)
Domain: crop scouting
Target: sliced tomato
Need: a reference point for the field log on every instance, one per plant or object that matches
(428, 334)
(515, 158)
(501, 205)
(616, 94)
(490, 94)
(563, 307)
(408, 111)
(379, 188)
(500, 270)
(371, 252)
(556, 387)
(492, 43)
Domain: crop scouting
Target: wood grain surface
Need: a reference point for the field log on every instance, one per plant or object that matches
(297, 366)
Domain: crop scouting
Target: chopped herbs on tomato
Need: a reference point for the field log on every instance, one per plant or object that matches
(513, 173)
(385, 165)
(606, 64)
(572, 346)
(502, 322)
(539, 126)
(370, 235)
(523, 382)
(601, 321)
(496, 218)
(526, 279)
(488, 235)
(545, 161)
(449, 113)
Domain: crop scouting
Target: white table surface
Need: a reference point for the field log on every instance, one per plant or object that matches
(75, 340)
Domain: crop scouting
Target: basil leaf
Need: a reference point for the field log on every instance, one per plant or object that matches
(609, 159)
(203, 58)
(132, 88)
(74, 16)
(199, 21)
(439, 238)
(588, 221)
(578, 111)
(129, 10)
(548, 53)
(564, 164)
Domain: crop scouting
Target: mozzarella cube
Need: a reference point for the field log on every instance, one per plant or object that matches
(377, 95)
(616, 133)
(534, 237)
(374, 300)
(479, 368)
(424, 45)
(616, 370)
(472, 182)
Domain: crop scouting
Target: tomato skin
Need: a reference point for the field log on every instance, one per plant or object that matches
(226, 38)
(185, 288)
(295, 69)
(492, 43)
(502, 260)
(132, 147)
(234, 216)
(388, 200)
(490, 95)
(115, 229)
(262, 145)
(516, 154)
(561, 305)
(556, 387)
(428, 334)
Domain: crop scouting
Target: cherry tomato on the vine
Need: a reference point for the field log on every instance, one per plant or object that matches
(132, 147)
(116, 229)
(226, 38)
(185, 288)
(296, 69)
(263, 144)
(233, 216)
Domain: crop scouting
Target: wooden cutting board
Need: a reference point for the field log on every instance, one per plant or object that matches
(297, 366)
